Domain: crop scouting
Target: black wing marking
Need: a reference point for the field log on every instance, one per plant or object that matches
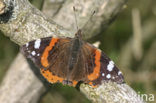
(34, 49)
(108, 70)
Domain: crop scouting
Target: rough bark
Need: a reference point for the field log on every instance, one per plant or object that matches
(25, 23)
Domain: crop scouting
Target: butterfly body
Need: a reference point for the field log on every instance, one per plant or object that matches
(71, 60)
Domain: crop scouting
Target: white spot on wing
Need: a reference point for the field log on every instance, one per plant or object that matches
(37, 43)
(33, 53)
(27, 44)
(110, 66)
(108, 76)
(38, 54)
(119, 72)
(103, 74)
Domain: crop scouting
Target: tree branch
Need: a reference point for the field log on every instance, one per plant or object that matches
(25, 23)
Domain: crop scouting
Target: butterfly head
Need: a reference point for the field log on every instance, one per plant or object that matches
(78, 34)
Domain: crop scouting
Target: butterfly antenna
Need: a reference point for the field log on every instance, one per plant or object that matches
(75, 17)
(90, 18)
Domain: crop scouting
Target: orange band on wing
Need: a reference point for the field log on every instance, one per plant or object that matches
(53, 78)
(74, 83)
(96, 69)
(44, 58)
(91, 84)
(50, 77)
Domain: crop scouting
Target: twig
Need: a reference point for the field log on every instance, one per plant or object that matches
(137, 34)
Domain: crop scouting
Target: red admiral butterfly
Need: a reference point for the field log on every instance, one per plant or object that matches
(71, 60)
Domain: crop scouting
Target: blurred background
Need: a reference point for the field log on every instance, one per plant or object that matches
(130, 41)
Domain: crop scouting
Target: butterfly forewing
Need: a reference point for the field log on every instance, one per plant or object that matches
(100, 67)
(50, 55)
(34, 49)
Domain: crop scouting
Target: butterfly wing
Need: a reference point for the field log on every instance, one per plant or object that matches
(100, 67)
(50, 55)
(34, 50)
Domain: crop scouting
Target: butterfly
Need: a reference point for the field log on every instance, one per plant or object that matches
(71, 60)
